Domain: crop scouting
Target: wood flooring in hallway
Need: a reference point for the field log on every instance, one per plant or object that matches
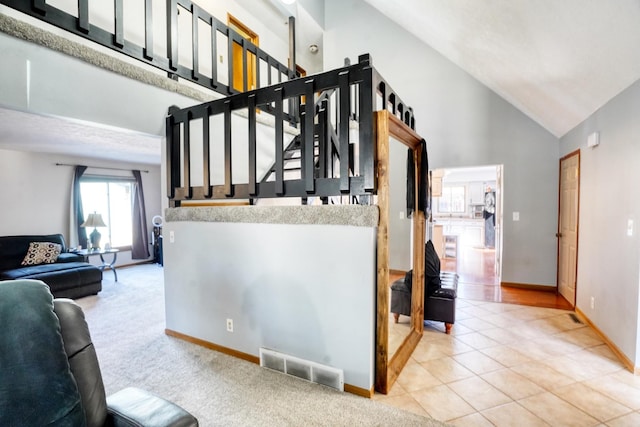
(478, 281)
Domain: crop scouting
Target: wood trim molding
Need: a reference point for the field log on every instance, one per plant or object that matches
(388, 367)
(359, 391)
(628, 363)
(544, 288)
(212, 346)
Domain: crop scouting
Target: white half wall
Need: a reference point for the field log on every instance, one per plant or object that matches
(307, 290)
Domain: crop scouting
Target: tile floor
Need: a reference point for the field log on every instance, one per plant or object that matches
(506, 365)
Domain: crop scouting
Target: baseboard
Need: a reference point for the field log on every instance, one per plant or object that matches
(212, 346)
(253, 359)
(529, 286)
(628, 363)
(359, 391)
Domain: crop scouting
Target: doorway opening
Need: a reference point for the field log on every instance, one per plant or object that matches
(466, 225)
(239, 61)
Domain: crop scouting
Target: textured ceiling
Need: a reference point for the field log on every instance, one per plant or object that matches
(557, 61)
(31, 132)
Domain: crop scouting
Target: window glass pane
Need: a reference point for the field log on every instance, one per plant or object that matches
(457, 199)
(120, 214)
(112, 200)
(452, 200)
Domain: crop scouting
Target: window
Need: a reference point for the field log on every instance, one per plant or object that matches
(452, 199)
(113, 199)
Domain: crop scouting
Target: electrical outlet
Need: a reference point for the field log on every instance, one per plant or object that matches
(593, 303)
(401, 214)
(172, 237)
(229, 325)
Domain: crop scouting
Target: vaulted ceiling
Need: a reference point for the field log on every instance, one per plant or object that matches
(557, 61)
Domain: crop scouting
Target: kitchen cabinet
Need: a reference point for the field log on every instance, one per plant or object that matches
(476, 193)
(436, 182)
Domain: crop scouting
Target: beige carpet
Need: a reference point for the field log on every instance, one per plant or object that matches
(127, 325)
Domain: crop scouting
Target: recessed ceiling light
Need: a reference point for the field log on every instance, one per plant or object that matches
(288, 1)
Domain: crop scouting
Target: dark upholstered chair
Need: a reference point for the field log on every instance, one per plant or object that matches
(50, 373)
(440, 292)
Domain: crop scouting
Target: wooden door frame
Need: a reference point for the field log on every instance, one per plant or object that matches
(562, 159)
(248, 34)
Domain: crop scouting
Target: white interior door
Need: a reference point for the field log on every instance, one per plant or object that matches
(568, 226)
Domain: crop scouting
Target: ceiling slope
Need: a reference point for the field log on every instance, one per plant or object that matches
(556, 61)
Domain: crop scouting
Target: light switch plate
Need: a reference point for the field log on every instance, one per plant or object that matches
(172, 237)
(630, 228)
(516, 216)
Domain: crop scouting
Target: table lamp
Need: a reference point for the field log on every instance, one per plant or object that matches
(94, 220)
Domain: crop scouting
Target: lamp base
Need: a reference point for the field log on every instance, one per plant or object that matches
(95, 239)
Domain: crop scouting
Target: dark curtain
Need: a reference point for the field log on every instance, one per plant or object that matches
(424, 202)
(411, 184)
(423, 182)
(78, 214)
(140, 247)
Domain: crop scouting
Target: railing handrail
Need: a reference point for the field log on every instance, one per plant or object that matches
(362, 76)
(169, 60)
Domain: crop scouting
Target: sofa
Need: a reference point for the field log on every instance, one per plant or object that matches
(47, 258)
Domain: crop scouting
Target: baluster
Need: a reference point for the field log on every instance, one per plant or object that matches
(279, 113)
(194, 42)
(206, 154)
(186, 156)
(228, 184)
(307, 150)
(343, 132)
(83, 15)
(252, 145)
(172, 33)
(118, 37)
(365, 132)
(147, 52)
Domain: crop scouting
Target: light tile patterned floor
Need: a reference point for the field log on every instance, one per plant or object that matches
(508, 365)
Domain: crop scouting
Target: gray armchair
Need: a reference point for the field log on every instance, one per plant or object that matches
(50, 372)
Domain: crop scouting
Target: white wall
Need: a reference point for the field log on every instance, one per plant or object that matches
(304, 290)
(465, 124)
(36, 193)
(609, 259)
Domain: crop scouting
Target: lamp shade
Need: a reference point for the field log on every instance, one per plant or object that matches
(94, 220)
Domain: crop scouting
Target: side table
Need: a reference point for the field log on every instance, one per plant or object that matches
(86, 253)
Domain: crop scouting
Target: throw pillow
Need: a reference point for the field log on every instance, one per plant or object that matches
(42, 253)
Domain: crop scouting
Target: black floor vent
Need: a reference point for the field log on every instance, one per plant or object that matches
(575, 318)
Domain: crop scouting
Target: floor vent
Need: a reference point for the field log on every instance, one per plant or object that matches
(305, 369)
(575, 318)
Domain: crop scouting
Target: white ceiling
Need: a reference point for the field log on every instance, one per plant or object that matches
(557, 61)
